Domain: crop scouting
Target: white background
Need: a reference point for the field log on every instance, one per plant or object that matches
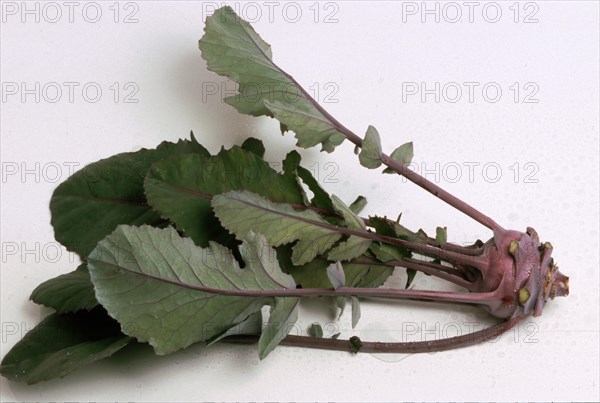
(366, 56)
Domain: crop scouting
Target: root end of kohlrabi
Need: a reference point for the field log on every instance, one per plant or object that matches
(520, 274)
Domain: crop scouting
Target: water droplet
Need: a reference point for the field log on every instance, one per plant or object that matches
(139, 385)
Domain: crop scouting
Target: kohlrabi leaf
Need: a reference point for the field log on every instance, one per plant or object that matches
(314, 273)
(341, 303)
(241, 212)
(441, 235)
(63, 343)
(385, 252)
(315, 330)
(284, 314)
(92, 202)
(355, 344)
(387, 227)
(366, 276)
(255, 146)
(336, 275)
(321, 198)
(358, 205)
(354, 246)
(292, 168)
(309, 124)
(403, 154)
(167, 291)
(69, 292)
(190, 146)
(355, 311)
(252, 325)
(309, 275)
(370, 153)
(233, 49)
(181, 188)
(420, 236)
(410, 273)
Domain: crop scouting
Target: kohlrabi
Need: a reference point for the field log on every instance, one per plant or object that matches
(181, 246)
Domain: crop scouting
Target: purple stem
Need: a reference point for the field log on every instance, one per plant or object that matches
(391, 347)
(412, 176)
(410, 264)
(487, 298)
(445, 273)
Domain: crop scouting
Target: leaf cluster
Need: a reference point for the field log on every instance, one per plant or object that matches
(180, 246)
(162, 232)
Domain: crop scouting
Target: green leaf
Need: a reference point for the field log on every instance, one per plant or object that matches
(441, 235)
(358, 205)
(181, 188)
(309, 275)
(403, 154)
(321, 198)
(387, 227)
(314, 273)
(341, 303)
(366, 276)
(354, 246)
(69, 292)
(92, 202)
(284, 314)
(167, 291)
(252, 325)
(241, 212)
(355, 344)
(336, 275)
(292, 168)
(370, 153)
(190, 146)
(355, 311)
(255, 146)
(233, 49)
(315, 330)
(61, 344)
(309, 124)
(385, 252)
(411, 273)
(420, 236)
